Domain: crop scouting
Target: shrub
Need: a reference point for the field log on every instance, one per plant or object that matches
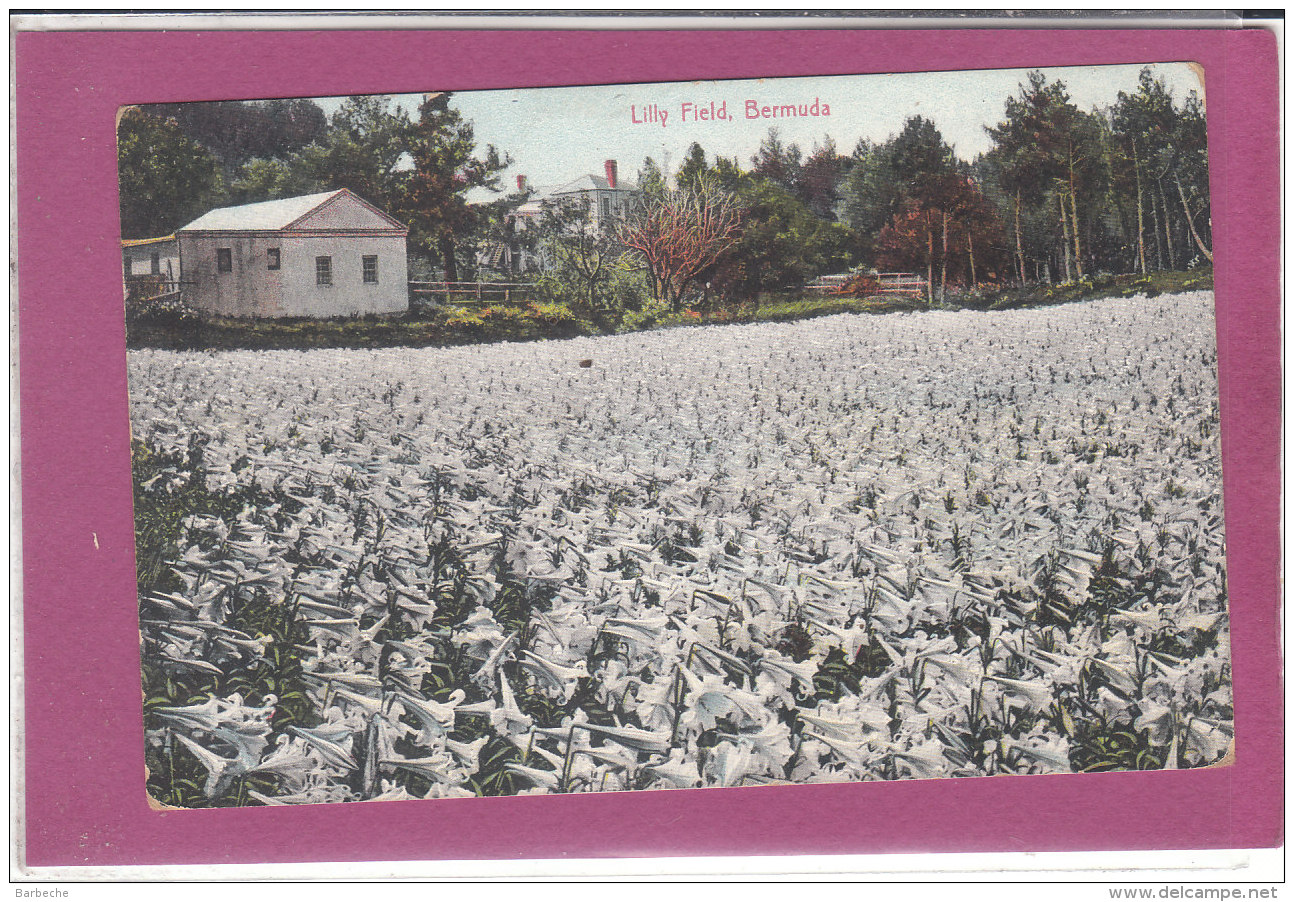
(651, 313)
(167, 310)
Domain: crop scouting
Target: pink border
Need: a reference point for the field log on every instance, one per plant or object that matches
(84, 795)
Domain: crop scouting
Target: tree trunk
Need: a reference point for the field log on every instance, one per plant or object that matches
(930, 261)
(970, 257)
(1190, 221)
(1073, 210)
(1064, 236)
(1168, 232)
(446, 246)
(943, 264)
(1159, 235)
(1141, 228)
(1019, 244)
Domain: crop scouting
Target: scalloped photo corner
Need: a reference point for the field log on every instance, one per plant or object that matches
(677, 435)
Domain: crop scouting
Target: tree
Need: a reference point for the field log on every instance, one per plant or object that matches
(871, 195)
(269, 179)
(166, 179)
(1025, 167)
(582, 251)
(782, 243)
(925, 169)
(236, 131)
(777, 162)
(818, 184)
(365, 146)
(1048, 152)
(442, 147)
(958, 231)
(651, 181)
(727, 174)
(693, 168)
(1171, 160)
(679, 233)
(1192, 169)
(362, 149)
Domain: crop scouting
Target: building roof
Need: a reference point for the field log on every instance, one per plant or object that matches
(478, 196)
(274, 215)
(140, 242)
(269, 215)
(589, 183)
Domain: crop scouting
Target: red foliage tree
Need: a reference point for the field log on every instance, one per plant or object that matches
(952, 233)
(679, 234)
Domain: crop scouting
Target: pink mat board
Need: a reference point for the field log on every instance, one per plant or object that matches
(84, 792)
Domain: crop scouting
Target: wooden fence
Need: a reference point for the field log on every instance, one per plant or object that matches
(469, 292)
(826, 283)
(153, 288)
(902, 283)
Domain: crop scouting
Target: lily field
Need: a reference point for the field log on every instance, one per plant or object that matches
(852, 548)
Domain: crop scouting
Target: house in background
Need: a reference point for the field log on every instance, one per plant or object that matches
(320, 255)
(608, 198)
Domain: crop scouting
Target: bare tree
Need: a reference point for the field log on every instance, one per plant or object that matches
(680, 233)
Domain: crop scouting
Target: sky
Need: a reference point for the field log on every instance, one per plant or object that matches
(554, 135)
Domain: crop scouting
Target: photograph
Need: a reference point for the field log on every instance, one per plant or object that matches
(675, 435)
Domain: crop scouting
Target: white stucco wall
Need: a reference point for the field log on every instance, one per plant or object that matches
(252, 289)
(349, 294)
(138, 261)
(343, 212)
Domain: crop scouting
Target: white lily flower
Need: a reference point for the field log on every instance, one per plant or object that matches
(507, 719)
(1031, 695)
(810, 486)
(925, 760)
(1205, 740)
(651, 741)
(437, 718)
(678, 769)
(1156, 718)
(221, 771)
(728, 764)
(330, 742)
(710, 699)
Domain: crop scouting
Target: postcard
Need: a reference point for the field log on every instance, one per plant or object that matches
(662, 444)
(926, 492)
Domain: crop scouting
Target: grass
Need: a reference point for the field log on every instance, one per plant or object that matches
(419, 328)
(1099, 286)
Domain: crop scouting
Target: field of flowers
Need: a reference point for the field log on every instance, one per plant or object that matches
(854, 548)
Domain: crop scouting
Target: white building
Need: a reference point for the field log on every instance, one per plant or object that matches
(321, 255)
(154, 258)
(608, 198)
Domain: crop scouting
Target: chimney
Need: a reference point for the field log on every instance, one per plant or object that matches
(521, 183)
(611, 173)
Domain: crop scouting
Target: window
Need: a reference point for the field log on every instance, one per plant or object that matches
(323, 270)
(606, 208)
(224, 259)
(155, 264)
(272, 255)
(370, 268)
